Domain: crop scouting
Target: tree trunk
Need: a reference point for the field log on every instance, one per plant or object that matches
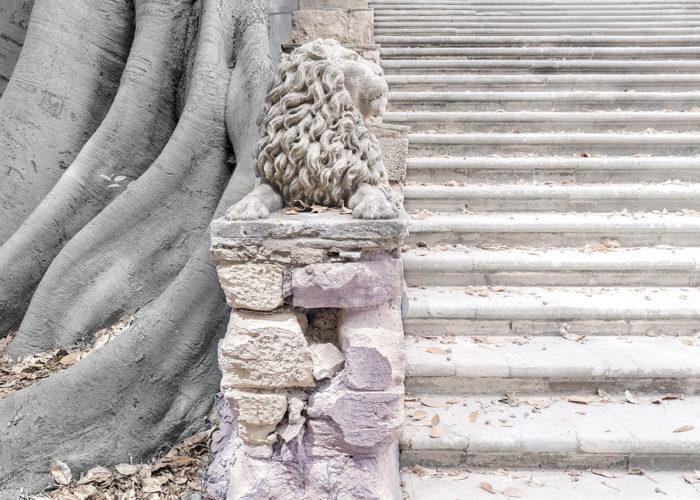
(140, 247)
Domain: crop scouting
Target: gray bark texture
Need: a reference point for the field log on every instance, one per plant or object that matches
(108, 204)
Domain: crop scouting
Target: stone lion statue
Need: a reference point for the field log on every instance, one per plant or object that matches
(315, 146)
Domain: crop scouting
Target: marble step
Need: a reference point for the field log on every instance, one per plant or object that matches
(659, 82)
(552, 365)
(563, 40)
(421, 483)
(456, 122)
(561, 101)
(563, 434)
(557, 169)
(620, 11)
(538, 66)
(389, 26)
(549, 229)
(596, 265)
(554, 143)
(591, 17)
(531, 310)
(672, 52)
(539, 31)
(566, 197)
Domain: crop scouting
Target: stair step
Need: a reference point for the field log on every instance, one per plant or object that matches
(552, 365)
(441, 102)
(388, 26)
(577, 169)
(593, 266)
(555, 196)
(682, 52)
(545, 484)
(539, 31)
(524, 144)
(619, 11)
(446, 310)
(561, 81)
(544, 121)
(479, 66)
(564, 40)
(588, 17)
(561, 435)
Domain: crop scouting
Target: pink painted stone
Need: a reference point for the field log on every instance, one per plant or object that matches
(349, 285)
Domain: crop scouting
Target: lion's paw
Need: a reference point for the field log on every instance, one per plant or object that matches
(248, 209)
(375, 207)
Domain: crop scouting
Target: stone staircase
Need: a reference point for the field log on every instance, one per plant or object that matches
(554, 256)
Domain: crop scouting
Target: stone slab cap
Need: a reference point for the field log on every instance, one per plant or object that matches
(332, 4)
(393, 141)
(256, 286)
(265, 352)
(258, 415)
(303, 238)
(345, 26)
(352, 284)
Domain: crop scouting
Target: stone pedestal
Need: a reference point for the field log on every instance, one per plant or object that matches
(312, 362)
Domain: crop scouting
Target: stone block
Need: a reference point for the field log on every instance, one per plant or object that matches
(346, 26)
(332, 4)
(327, 360)
(393, 141)
(374, 358)
(252, 286)
(253, 478)
(265, 352)
(354, 422)
(258, 415)
(295, 420)
(356, 284)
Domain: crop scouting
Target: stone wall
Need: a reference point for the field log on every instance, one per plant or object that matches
(313, 359)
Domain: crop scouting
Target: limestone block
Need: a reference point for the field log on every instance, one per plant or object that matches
(345, 26)
(355, 284)
(332, 4)
(265, 352)
(327, 360)
(252, 286)
(258, 415)
(374, 358)
(393, 141)
(295, 420)
(253, 478)
(354, 422)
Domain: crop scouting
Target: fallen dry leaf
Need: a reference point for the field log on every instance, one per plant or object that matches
(692, 478)
(126, 469)
(604, 473)
(513, 492)
(422, 471)
(96, 475)
(631, 398)
(435, 420)
(685, 428)
(431, 403)
(487, 487)
(418, 415)
(151, 485)
(583, 400)
(61, 473)
(473, 416)
(436, 350)
(437, 432)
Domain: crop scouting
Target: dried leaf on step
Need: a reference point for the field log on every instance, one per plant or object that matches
(422, 471)
(436, 350)
(535, 483)
(473, 416)
(418, 415)
(487, 487)
(431, 403)
(435, 420)
(685, 428)
(437, 432)
(631, 398)
(604, 473)
(568, 335)
(692, 477)
(96, 475)
(60, 472)
(513, 492)
(583, 400)
(448, 339)
(85, 491)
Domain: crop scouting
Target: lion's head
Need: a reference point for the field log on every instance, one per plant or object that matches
(315, 144)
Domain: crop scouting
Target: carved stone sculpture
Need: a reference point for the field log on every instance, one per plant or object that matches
(316, 148)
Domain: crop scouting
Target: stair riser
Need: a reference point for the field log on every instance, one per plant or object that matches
(477, 68)
(596, 10)
(391, 26)
(659, 277)
(548, 41)
(397, 84)
(470, 386)
(380, 17)
(644, 31)
(628, 125)
(462, 458)
(514, 150)
(436, 326)
(544, 204)
(503, 176)
(544, 105)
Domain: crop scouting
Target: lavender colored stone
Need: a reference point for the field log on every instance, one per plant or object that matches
(367, 369)
(349, 285)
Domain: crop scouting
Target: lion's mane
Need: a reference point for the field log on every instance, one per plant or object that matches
(315, 146)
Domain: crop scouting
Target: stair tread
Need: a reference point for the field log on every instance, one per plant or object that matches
(609, 428)
(550, 190)
(593, 358)
(554, 303)
(547, 484)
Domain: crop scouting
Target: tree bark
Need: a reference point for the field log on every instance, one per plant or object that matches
(14, 19)
(146, 251)
(61, 88)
